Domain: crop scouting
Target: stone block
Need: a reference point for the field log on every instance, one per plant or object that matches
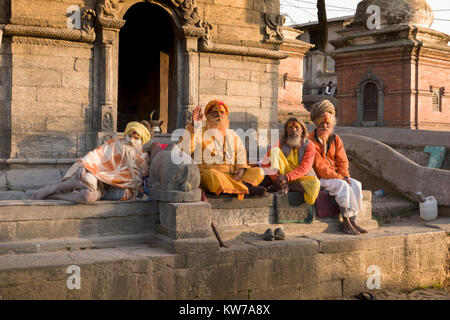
(66, 124)
(185, 220)
(76, 79)
(242, 88)
(239, 217)
(71, 95)
(42, 62)
(227, 74)
(238, 32)
(26, 179)
(22, 93)
(82, 53)
(36, 77)
(234, 203)
(337, 266)
(3, 184)
(211, 86)
(254, 275)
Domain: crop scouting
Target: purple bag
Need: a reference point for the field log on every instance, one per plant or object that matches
(326, 206)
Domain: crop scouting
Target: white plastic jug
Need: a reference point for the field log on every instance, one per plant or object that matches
(429, 209)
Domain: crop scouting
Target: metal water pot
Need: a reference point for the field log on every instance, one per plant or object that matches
(155, 124)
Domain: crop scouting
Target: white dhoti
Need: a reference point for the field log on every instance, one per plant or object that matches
(347, 197)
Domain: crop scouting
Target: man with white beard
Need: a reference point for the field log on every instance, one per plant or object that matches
(289, 162)
(331, 166)
(223, 165)
(113, 171)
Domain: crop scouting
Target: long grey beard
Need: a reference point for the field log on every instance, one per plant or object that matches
(130, 151)
(293, 141)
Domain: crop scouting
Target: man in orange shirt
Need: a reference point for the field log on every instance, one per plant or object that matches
(113, 171)
(331, 166)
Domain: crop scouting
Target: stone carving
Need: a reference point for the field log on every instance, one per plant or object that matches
(171, 182)
(108, 14)
(108, 9)
(189, 11)
(273, 29)
(107, 122)
(87, 35)
(241, 50)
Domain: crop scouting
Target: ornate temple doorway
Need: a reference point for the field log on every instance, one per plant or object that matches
(370, 106)
(147, 72)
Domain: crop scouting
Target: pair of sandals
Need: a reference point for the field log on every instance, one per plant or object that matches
(270, 235)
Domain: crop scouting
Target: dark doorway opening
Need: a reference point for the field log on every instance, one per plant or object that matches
(147, 67)
(370, 106)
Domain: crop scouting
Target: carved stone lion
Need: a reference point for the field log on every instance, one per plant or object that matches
(174, 177)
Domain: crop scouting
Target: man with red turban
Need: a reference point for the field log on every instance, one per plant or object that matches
(223, 164)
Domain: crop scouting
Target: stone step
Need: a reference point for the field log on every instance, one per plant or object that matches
(391, 205)
(25, 220)
(54, 225)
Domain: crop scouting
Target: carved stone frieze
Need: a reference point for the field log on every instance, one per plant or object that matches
(273, 29)
(108, 14)
(241, 50)
(87, 35)
(189, 12)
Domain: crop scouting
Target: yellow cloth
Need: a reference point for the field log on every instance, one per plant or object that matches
(141, 130)
(284, 165)
(217, 181)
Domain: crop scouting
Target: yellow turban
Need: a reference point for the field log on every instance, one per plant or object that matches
(141, 130)
(319, 108)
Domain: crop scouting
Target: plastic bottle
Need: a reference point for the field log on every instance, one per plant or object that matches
(420, 197)
(429, 209)
(378, 193)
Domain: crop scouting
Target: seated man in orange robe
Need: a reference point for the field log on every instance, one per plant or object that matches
(113, 171)
(223, 164)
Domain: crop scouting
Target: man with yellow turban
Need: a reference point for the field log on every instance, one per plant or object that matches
(113, 171)
(331, 166)
(289, 163)
(220, 154)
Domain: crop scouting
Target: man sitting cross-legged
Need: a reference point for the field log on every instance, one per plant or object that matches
(223, 164)
(289, 163)
(113, 171)
(331, 166)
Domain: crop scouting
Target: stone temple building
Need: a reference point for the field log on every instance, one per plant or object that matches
(73, 73)
(396, 75)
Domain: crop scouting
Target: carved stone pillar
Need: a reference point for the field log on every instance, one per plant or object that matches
(107, 69)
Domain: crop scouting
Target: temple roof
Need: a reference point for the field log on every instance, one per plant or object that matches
(397, 12)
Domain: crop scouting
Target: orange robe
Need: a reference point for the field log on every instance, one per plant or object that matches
(218, 158)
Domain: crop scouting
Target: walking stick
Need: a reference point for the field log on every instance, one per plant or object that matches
(216, 233)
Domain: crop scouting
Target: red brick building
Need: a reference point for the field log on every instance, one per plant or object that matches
(398, 75)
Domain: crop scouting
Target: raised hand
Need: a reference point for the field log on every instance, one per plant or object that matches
(197, 115)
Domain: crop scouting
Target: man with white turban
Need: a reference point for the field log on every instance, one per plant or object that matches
(331, 166)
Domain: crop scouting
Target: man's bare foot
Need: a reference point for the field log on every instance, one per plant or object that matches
(43, 193)
(358, 228)
(347, 228)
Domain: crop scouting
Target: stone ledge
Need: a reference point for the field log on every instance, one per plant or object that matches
(248, 202)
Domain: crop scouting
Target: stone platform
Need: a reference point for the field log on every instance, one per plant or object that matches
(151, 250)
(328, 265)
